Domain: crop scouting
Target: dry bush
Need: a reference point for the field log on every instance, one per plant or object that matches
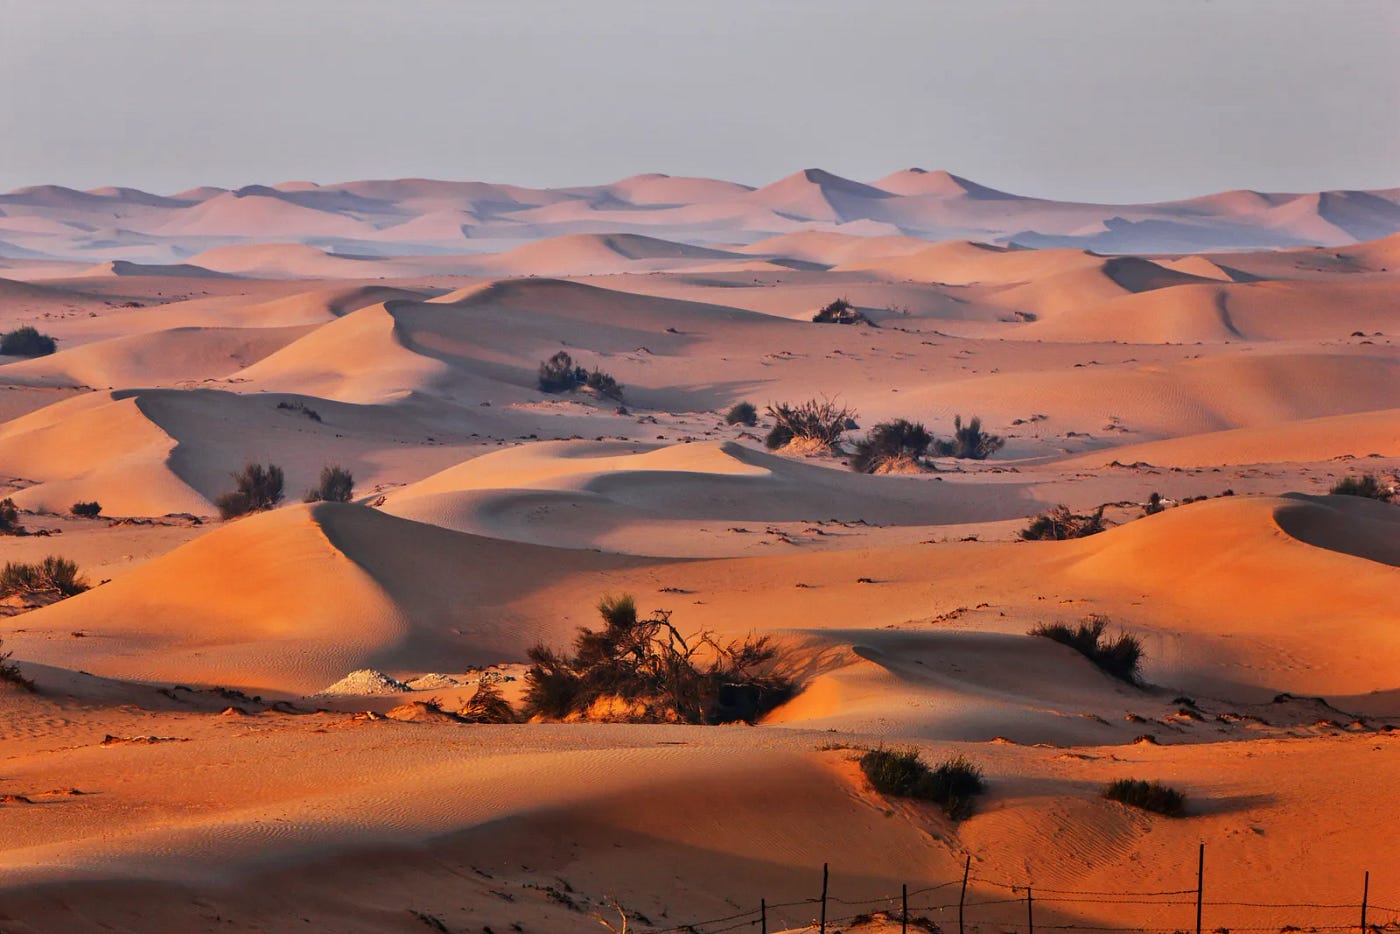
(559, 374)
(1149, 796)
(26, 342)
(487, 705)
(336, 485)
(10, 673)
(86, 510)
(817, 421)
(952, 785)
(9, 518)
(646, 671)
(1060, 524)
(743, 413)
(257, 487)
(969, 441)
(1120, 657)
(841, 312)
(53, 575)
(1366, 485)
(889, 444)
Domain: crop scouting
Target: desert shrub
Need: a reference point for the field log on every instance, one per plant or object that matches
(648, 672)
(890, 443)
(1365, 485)
(9, 518)
(52, 575)
(256, 487)
(1154, 505)
(336, 486)
(10, 673)
(820, 421)
(301, 407)
(952, 785)
(487, 705)
(1149, 796)
(1120, 657)
(86, 510)
(969, 441)
(27, 342)
(840, 312)
(743, 413)
(1060, 524)
(603, 384)
(558, 374)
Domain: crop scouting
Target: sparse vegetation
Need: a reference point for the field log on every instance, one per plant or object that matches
(645, 670)
(487, 705)
(818, 422)
(891, 445)
(1366, 485)
(841, 312)
(336, 486)
(9, 518)
(301, 407)
(1149, 796)
(969, 441)
(256, 488)
(953, 784)
(743, 413)
(10, 673)
(559, 374)
(27, 342)
(1120, 657)
(86, 510)
(1154, 505)
(1060, 524)
(53, 575)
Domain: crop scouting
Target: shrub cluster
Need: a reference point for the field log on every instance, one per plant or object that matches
(10, 673)
(969, 441)
(743, 413)
(27, 342)
(86, 510)
(9, 518)
(841, 312)
(559, 374)
(1120, 657)
(952, 785)
(1366, 485)
(52, 575)
(256, 487)
(1060, 524)
(336, 485)
(1149, 796)
(487, 705)
(817, 421)
(889, 445)
(647, 672)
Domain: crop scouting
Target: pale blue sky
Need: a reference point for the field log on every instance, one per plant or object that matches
(1112, 100)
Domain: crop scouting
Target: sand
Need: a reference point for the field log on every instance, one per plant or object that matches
(241, 725)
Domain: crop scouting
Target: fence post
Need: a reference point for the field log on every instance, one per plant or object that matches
(1200, 885)
(962, 898)
(904, 910)
(1030, 911)
(825, 868)
(763, 915)
(1365, 891)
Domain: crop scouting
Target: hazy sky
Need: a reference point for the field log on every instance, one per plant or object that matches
(1112, 100)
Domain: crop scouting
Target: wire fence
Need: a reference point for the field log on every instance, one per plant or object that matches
(976, 904)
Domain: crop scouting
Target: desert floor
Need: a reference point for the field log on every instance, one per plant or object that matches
(178, 768)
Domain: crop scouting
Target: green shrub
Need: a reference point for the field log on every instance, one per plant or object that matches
(27, 342)
(743, 413)
(952, 785)
(1366, 485)
(1060, 524)
(86, 510)
(1149, 796)
(1120, 657)
(9, 518)
(10, 673)
(257, 488)
(890, 443)
(52, 575)
(820, 421)
(652, 673)
(336, 486)
(969, 441)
